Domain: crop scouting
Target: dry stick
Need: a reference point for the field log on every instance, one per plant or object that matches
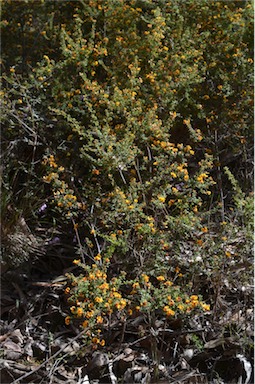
(121, 174)
(150, 157)
(50, 358)
(79, 241)
(95, 237)
(139, 177)
(27, 128)
(219, 176)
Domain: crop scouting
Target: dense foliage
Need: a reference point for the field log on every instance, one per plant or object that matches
(130, 123)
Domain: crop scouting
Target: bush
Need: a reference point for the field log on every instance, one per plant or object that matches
(129, 112)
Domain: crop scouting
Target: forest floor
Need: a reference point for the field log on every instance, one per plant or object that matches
(37, 347)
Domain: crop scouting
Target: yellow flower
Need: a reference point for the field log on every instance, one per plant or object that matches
(186, 121)
(170, 312)
(194, 303)
(89, 314)
(73, 309)
(104, 286)
(171, 302)
(98, 299)
(67, 320)
(160, 278)
(145, 278)
(136, 285)
(79, 312)
(202, 177)
(117, 295)
(99, 320)
(76, 261)
(206, 307)
(102, 343)
(98, 257)
(204, 229)
(228, 254)
(95, 340)
(162, 199)
(85, 323)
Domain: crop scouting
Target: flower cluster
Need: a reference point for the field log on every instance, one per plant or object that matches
(64, 197)
(94, 298)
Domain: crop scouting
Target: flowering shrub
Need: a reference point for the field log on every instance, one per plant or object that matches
(94, 298)
(129, 112)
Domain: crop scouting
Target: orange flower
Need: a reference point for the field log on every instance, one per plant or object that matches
(206, 307)
(98, 257)
(67, 320)
(145, 278)
(85, 323)
(98, 299)
(100, 320)
(79, 312)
